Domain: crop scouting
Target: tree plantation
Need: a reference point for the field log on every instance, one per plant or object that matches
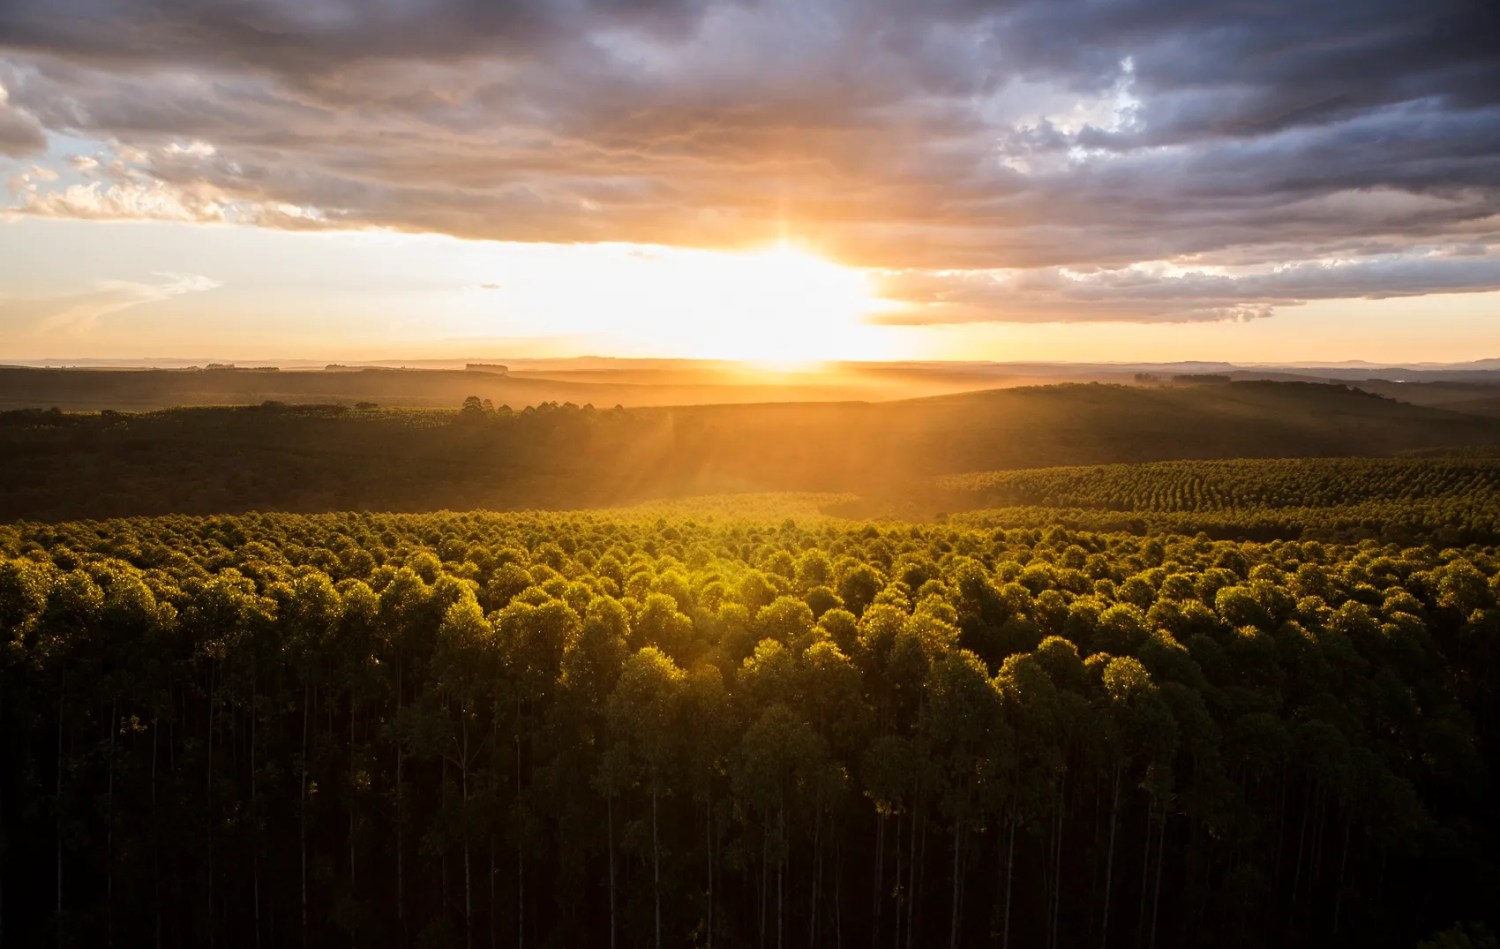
(1447, 499)
(627, 729)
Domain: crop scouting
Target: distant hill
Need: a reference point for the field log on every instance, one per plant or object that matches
(145, 389)
(1098, 424)
(137, 390)
(316, 458)
(639, 382)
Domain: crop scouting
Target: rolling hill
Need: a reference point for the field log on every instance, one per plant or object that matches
(319, 458)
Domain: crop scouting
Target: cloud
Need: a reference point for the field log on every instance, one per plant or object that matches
(96, 201)
(20, 132)
(1160, 293)
(138, 184)
(79, 314)
(1037, 136)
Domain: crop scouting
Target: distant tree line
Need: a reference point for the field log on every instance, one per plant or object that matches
(1202, 378)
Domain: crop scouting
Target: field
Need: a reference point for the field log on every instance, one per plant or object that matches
(1151, 690)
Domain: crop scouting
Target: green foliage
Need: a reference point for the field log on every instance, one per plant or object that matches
(551, 724)
(1450, 500)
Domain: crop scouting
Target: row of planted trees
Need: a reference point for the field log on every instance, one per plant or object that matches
(1449, 500)
(1240, 484)
(589, 730)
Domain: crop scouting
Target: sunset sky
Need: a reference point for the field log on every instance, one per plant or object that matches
(760, 179)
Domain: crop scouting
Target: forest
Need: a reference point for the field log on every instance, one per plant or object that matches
(744, 723)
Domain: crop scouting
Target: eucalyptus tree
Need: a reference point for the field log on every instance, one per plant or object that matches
(960, 719)
(532, 641)
(644, 717)
(308, 614)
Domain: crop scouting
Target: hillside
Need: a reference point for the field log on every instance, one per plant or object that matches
(311, 458)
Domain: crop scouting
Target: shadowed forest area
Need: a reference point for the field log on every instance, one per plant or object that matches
(1064, 666)
(330, 458)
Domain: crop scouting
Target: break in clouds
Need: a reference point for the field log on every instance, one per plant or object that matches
(1032, 160)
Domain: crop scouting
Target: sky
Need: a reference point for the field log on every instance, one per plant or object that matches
(1091, 180)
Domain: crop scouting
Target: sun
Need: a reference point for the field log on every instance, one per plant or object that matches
(781, 307)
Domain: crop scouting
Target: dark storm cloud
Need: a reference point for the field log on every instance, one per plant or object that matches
(298, 37)
(1250, 69)
(955, 136)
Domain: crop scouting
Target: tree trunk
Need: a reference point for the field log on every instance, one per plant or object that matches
(254, 851)
(155, 836)
(109, 832)
(911, 880)
(1280, 835)
(1010, 866)
(900, 888)
(765, 875)
(609, 803)
(302, 819)
(917, 885)
(1338, 894)
(1161, 840)
(1140, 915)
(953, 921)
(494, 906)
(353, 863)
(1057, 854)
(520, 843)
(443, 853)
(463, 779)
(208, 805)
(58, 817)
(812, 931)
(879, 874)
(655, 864)
(1301, 842)
(838, 888)
(781, 858)
(709, 824)
(400, 850)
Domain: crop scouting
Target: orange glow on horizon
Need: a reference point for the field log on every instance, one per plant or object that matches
(781, 308)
